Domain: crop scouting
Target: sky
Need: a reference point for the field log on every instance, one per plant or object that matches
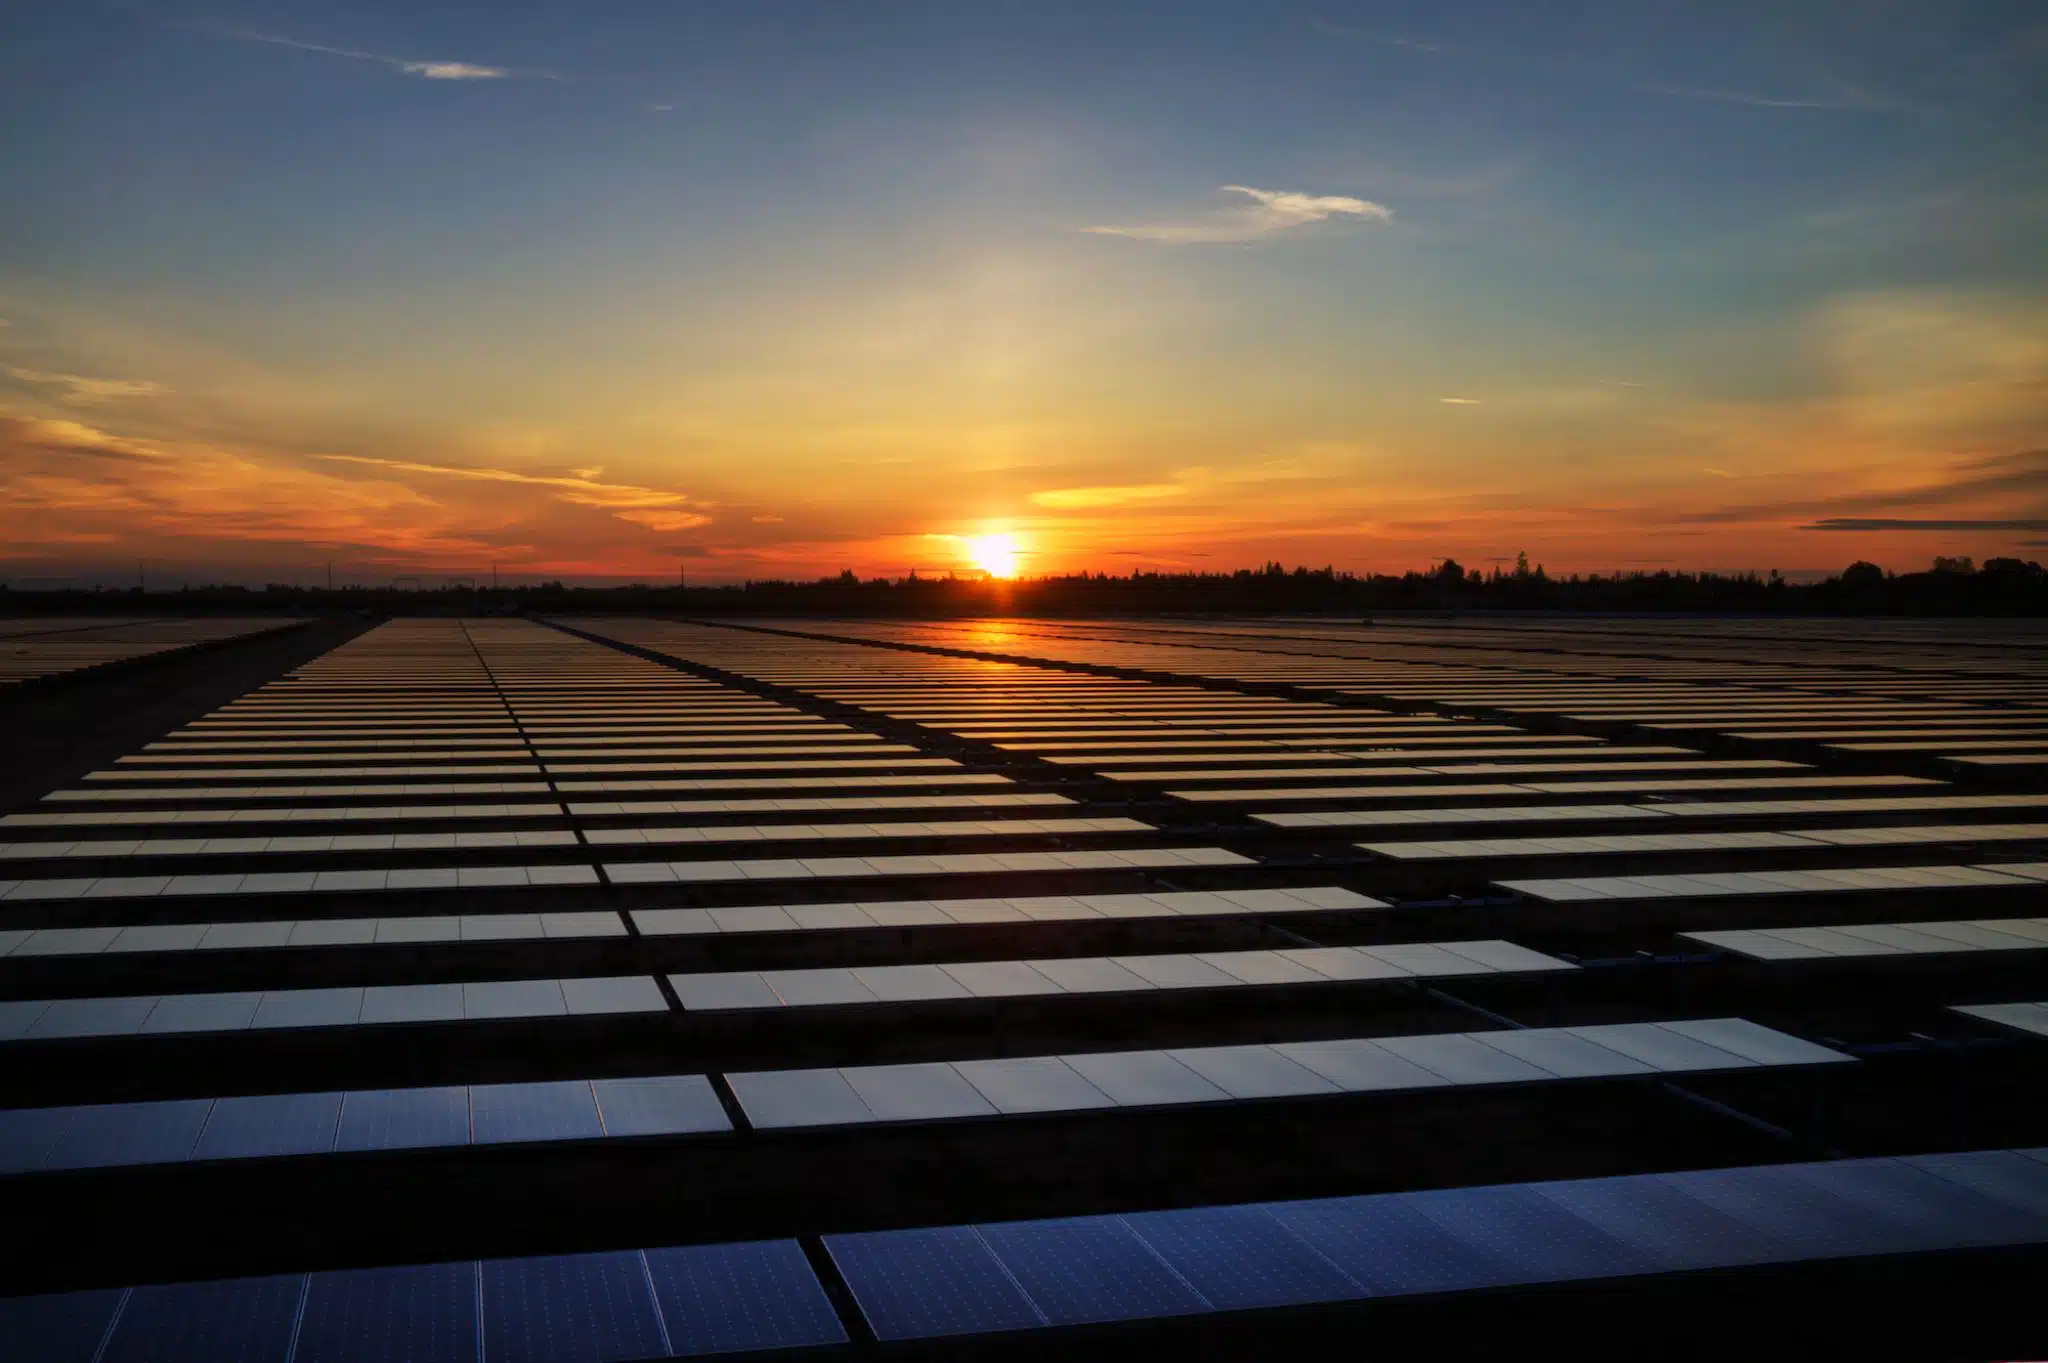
(620, 289)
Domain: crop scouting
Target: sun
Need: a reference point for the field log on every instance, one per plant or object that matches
(995, 555)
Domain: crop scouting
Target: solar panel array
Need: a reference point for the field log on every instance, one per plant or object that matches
(34, 650)
(816, 955)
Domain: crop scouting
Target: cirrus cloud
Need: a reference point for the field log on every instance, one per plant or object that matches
(1270, 211)
(79, 390)
(1078, 498)
(425, 70)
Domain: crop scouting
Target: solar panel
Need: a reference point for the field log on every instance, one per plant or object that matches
(916, 1284)
(659, 1105)
(1943, 1212)
(1664, 1224)
(402, 1119)
(557, 1111)
(273, 1124)
(1388, 1247)
(1090, 1269)
(1537, 1239)
(1147, 1078)
(134, 1133)
(729, 1298)
(1240, 1258)
(2004, 1175)
(422, 1314)
(241, 1320)
(775, 1098)
(571, 1308)
(27, 1135)
(1781, 1203)
(58, 1327)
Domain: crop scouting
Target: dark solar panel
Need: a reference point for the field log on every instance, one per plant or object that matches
(660, 1105)
(1779, 1202)
(1241, 1257)
(423, 1314)
(562, 1111)
(242, 1320)
(274, 1124)
(401, 1119)
(1538, 1240)
(28, 1135)
(1940, 1212)
(1090, 1268)
(571, 1308)
(132, 1133)
(912, 1284)
(60, 1327)
(2004, 1175)
(1666, 1224)
(1388, 1247)
(727, 1298)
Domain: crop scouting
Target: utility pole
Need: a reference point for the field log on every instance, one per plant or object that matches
(682, 576)
(494, 577)
(140, 565)
(330, 575)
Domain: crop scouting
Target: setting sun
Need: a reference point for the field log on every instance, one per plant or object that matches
(995, 555)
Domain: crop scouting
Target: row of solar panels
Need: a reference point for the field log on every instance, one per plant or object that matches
(28, 654)
(633, 1304)
(101, 1135)
(108, 1135)
(501, 1000)
(580, 925)
(953, 1281)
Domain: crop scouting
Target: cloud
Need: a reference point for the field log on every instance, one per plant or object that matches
(665, 520)
(654, 508)
(1460, 402)
(1079, 498)
(40, 436)
(1863, 523)
(425, 70)
(660, 108)
(1849, 101)
(1845, 98)
(1271, 211)
(582, 491)
(767, 520)
(83, 391)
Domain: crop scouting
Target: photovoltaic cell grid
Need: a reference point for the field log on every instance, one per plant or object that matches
(959, 1280)
(975, 1279)
(635, 1304)
(503, 758)
(32, 650)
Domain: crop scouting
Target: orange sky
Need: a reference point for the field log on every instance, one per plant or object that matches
(1192, 302)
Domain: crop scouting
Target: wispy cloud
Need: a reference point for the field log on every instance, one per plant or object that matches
(1079, 498)
(570, 488)
(665, 520)
(1270, 211)
(1842, 98)
(79, 390)
(1862, 523)
(425, 70)
(1461, 402)
(1856, 101)
(40, 436)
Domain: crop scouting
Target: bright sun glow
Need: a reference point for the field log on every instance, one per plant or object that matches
(995, 555)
